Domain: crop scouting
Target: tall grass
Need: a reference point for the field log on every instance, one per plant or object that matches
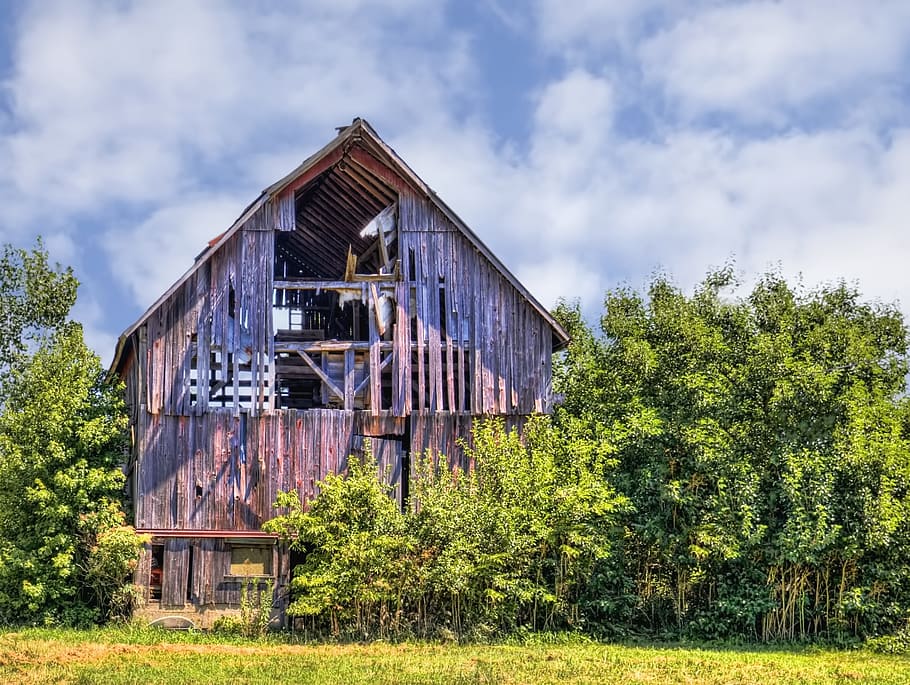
(129, 655)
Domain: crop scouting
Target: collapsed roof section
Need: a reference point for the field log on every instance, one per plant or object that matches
(328, 207)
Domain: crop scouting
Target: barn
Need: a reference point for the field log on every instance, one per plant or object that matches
(347, 303)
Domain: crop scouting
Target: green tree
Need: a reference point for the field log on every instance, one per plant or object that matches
(35, 300)
(762, 441)
(512, 543)
(515, 542)
(62, 442)
(64, 549)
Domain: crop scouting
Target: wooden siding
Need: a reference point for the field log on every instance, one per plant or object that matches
(222, 471)
(478, 346)
(481, 348)
(222, 312)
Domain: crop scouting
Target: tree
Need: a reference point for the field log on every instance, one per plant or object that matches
(763, 443)
(35, 300)
(354, 578)
(63, 549)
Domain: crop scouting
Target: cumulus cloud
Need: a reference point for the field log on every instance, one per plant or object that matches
(585, 209)
(761, 60)
(149, 257)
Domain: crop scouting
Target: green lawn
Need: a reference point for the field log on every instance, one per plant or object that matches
(143, 656)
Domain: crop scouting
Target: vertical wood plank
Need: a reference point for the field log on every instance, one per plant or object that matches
(374, 357)
(422, 322)
(401, 350)
(349, 379)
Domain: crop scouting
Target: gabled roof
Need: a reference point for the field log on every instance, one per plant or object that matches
(362, 133)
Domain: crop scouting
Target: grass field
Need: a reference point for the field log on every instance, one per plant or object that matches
(146, 656)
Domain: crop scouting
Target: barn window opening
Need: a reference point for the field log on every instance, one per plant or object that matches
(251, 560)
(156, 573)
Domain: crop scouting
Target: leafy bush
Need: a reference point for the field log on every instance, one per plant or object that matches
(763, 442)
(256, 607)
(512, 543)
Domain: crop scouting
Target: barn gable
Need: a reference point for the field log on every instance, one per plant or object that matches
(347, 303)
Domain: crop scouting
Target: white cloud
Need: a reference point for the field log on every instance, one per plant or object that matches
(584, 209)
(761, 59)
(165, 112)
(148, 258)
(573, 114)
(589, 28)
(94, 331)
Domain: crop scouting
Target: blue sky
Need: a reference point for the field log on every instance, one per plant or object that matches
(589, 143)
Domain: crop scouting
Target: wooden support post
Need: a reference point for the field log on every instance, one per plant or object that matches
(374, 370)
(348, 380)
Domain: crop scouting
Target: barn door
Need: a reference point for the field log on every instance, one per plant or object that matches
(175, 573)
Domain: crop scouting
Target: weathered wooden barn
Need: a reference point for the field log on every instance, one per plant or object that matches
(347, 302)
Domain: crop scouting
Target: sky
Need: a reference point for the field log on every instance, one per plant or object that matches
(589, 143)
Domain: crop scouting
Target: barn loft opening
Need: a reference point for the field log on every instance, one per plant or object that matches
(331, 297)
(335, 214)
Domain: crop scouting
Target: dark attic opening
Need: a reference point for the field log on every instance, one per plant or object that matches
(334, 288)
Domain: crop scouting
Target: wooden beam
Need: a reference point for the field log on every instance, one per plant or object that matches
(319, 167)
(322, 375)
(383, 282)
(363, 384)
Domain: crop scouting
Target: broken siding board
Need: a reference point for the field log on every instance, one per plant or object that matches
(203, 339)
(461, 320)
(294, 449)
(286, 211)
(375, 373)
(143, 572)
(538, 348)
(510, 322)
(248, 313)
(276, 454)
(436, 401)
(486, 337)
(199, 496)
(401, 351)
(182, 454)
(206, 442)
(421, 309)
(149, 484)
(472, 297)
(154, 363)
(269, 324)
(219, 481)
(496, 351)
(349, 369)
(545, 378)
(521, 359)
